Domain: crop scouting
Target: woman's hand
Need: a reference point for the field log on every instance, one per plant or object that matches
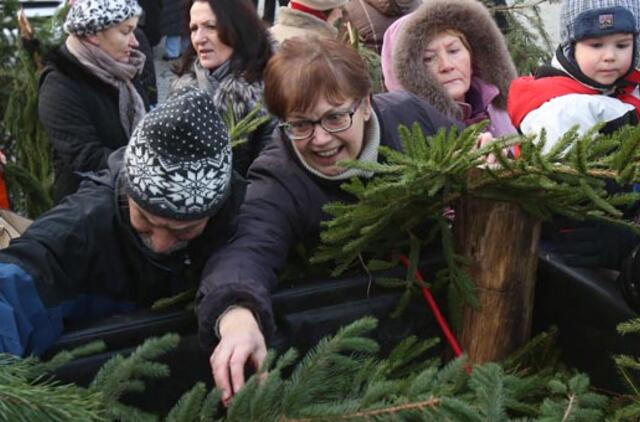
(486, 138)
(240, 341)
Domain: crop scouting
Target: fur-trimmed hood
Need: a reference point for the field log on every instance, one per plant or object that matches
(490, 57)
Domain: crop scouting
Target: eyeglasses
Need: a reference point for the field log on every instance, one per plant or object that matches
(339, 121)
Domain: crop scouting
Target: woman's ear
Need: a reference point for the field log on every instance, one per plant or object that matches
(367, 108)
(93, 39)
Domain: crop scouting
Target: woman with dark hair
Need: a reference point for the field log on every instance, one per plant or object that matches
(230, 47)
(320, 89)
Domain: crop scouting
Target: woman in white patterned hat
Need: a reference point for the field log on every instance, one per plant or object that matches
(90, 98)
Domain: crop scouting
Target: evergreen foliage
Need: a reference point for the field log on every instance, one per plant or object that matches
(342, 379)
(370, 57)
(239, 130)
(28, 394)
(527, 39)
(629, 368)
(122, 375)
(30, 170)
(401, 209)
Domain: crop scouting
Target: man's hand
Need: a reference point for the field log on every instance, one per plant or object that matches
(240, 341)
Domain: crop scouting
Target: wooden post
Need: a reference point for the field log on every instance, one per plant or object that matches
(502, 242)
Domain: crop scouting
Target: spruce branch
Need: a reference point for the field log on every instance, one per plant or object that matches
(121, 375)
(629, 369)
(406, 199)
(240, 129)
(405, 386)
(375, 413)
(28, 393)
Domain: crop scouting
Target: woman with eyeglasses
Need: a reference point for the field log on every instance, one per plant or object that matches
(320, 90)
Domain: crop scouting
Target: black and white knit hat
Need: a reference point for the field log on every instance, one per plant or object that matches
(178, 162)
(86, 17)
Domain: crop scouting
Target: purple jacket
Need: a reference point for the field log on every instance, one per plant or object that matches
(479, 107)
(282, 208)
(493, 69)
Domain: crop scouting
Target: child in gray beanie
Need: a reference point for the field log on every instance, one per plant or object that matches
(592, 77)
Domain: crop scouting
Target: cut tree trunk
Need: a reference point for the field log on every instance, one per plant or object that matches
(501, 241)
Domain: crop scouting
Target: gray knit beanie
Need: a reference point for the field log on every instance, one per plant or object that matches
(86, 17)
(178, 162)
(580, 19)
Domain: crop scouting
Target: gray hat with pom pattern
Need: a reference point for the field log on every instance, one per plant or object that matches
(86, 17)
(178, 162)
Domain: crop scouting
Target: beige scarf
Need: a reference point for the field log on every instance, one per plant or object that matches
(117, 74)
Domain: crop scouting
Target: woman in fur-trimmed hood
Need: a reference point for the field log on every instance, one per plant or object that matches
(429, 50)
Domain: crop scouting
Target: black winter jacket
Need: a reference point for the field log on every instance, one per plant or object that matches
(80, 114)
(283, 207)
(175, 20)
(83, 260)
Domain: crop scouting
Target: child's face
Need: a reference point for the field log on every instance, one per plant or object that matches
(605, 59)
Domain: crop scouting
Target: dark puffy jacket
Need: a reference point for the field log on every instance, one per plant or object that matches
(282, 208)
(82, 260)
(80, 114)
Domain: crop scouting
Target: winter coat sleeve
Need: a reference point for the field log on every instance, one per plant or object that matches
(45, 277)
(562, 113)
(25, 324)
(69, 124)
(272, 219)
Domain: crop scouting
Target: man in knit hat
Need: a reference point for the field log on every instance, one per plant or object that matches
(307, 17)
(131, 233)
(592, 78)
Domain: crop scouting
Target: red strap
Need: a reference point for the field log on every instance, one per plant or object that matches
(428, 297)
(301, 7)
(4, 194)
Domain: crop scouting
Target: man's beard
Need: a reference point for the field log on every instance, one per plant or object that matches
(146, 241)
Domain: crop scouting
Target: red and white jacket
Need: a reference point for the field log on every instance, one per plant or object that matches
(558, 103)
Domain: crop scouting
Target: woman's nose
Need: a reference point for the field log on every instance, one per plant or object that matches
(444, 63)
(320, 135)
(198, 38)
(134, 41)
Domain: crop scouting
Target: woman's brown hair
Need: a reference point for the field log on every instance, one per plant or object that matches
(306, 69)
